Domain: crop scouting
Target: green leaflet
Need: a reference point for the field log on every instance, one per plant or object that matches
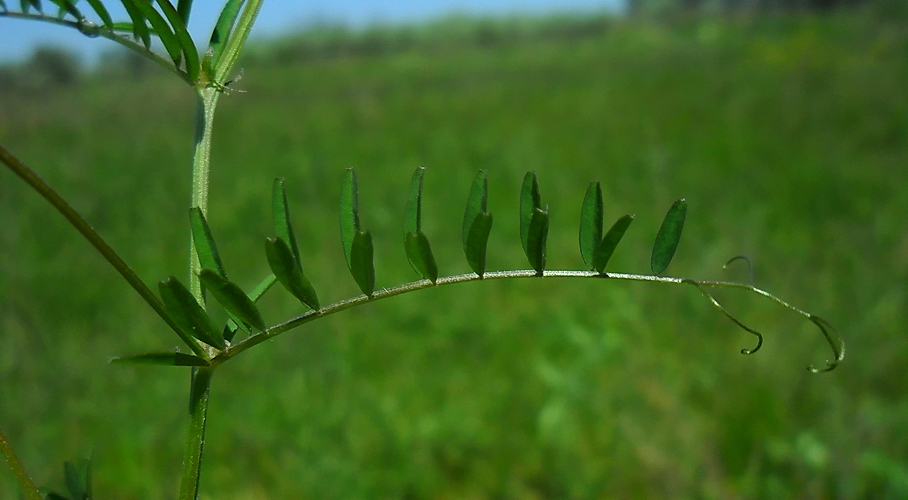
(77, 474)
(233, 299)
(477, 202)
(184, 7)
(349, 213)
(190, 52)
(188, 314)
(529, 200)
(67, 7)
(281, 214)
(223, 29)
(288, 271)
(361, 265)
(161, 28)
(420, 255)
(140, 29)
(537, 232)
(416, 244)
(161, 358)
(203, 241)
(99, 9)
(476, 242)
(607, 247)
(231, 327)
(668, 237)
(591, 224)
(25, 5)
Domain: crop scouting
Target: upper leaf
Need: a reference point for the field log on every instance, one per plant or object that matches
(349, 213)
(413, 209)
(605, 249)
(188, 314)
(668, 237)
(140, 29)
(223, 27)
(529, 201)
(281, 213)
(289, 272)
(537, 233)
(101, 10)
(161, 28)
(420, 255)
(476, 202)
(190, 53)
(203, 240)
(234, 300)
(477, 241)
(361, 265)
(591, 223)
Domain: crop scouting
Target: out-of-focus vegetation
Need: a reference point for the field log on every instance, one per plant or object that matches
(787, 134)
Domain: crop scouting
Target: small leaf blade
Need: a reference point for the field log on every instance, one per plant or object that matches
(420, 255)
(102, 12)
(477, 202)
(140, 29)
(204, 243)
(477, 241)
(223, 28)
(605, 249)
(161, 28)
(668, 237)
(361, 264)
(233, 299)
(349, 213)
(281, 214)
(67, 7)
(188, 314)
(161, 358)
(289, 273)
(591, 223)
(529, 201)
(413, 208)
(77, 474)
(537, 233)
(190, 52)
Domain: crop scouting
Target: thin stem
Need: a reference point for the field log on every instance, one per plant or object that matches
(25, 482)
(81, 225)
(837, 345)
(201, 167)
(92, 30)
(200, 387)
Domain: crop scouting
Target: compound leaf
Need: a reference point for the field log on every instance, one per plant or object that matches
(203, 241)
(476, 242)
(188, 314)
(361, 265)
(591, 224)
(607, 247)
(161, 358)
(288, 271)
(529, 201)
(668, 237)
(234, 300)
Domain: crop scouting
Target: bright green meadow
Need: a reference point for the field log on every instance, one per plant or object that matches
(787, 136)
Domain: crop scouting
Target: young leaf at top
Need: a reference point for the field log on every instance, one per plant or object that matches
(416, 245)
(234, 300)
(203, 241)
(668, 236)
(349, 213)
(222, 29)
(529, 200)
(361, 265)
(288, 271)
(161, 28)
(477, 223)
(537, 233)
(188, 314)
(281, 214)
(161, 358)
(591, 223)
(607, 247)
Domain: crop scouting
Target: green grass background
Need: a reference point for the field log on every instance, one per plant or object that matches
(787, 136)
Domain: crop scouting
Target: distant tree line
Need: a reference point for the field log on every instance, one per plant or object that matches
(730, 6)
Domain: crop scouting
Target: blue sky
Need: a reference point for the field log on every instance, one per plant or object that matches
(19, 38)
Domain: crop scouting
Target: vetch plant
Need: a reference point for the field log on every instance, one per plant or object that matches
(183, 306)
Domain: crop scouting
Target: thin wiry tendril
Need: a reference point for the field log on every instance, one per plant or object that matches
(838, 351)
(750, 266)
(729, 316)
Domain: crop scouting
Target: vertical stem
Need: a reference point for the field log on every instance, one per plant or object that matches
(208, 99)
(195, 437)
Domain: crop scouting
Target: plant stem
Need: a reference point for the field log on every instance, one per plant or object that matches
(81, 225)
(201, 166)
(195, 438)
(25, 482)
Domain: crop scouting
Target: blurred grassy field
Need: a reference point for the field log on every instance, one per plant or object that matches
(788, 137)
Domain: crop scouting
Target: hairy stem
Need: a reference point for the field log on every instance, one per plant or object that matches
(836, 343)
(195, 437)
(25, 482)
(81, 225)
(201, 167)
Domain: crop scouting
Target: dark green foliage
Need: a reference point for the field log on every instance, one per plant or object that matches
(477, 223)
(591, 223)
(288, 271)
(361, 264)
(668, 237)
(161, 358)
(183, 39)
(204, 243)
(77, 476)
(357, 243)
(610, 241)
(534, 223)
(188, 314)
(280, 212)
(233, 299)
(416, 244)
